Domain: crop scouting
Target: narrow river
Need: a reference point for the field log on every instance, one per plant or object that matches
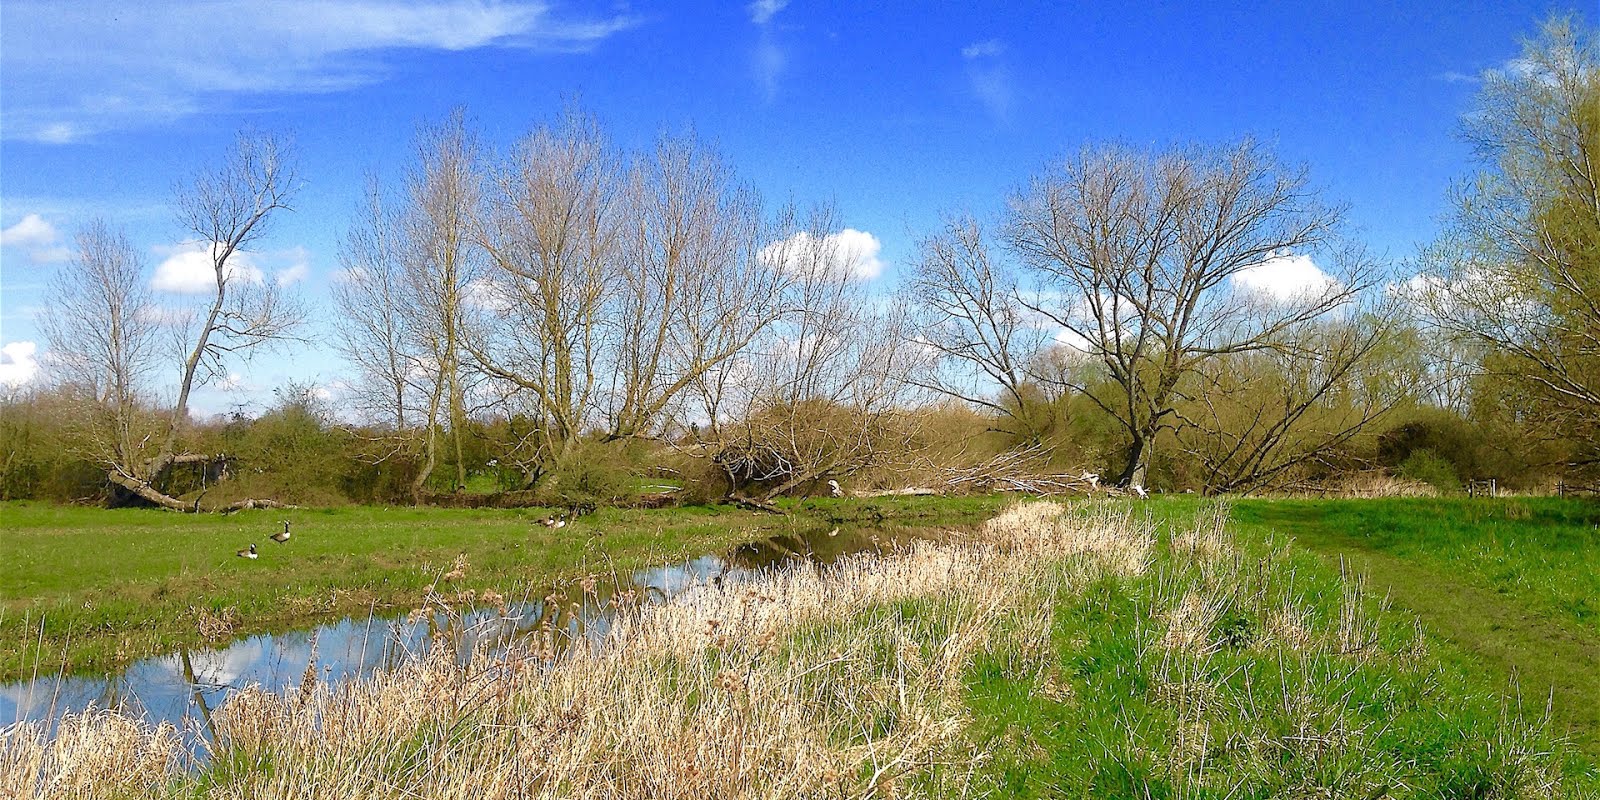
(184, 687)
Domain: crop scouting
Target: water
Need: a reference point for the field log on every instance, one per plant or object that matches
(184, 687)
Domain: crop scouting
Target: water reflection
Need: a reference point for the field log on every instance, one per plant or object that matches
(185, 687)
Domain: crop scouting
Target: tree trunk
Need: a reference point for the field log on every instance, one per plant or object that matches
(1138, 465)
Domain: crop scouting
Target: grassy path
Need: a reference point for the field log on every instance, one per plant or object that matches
(1549, 657)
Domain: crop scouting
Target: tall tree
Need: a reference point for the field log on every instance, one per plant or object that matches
(225, 209)
(1516, 272)
(1144, 258)
(103, 331)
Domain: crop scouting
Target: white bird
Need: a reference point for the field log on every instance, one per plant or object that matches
(1138, 491)
(834, 489)
(250, 553)
(1092, 478)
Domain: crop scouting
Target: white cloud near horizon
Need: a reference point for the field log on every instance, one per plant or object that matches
(849, 249)
(18, 363)
(1284, 277)
(157, 62)
(37, 239)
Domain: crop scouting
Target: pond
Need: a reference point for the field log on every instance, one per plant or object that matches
(183, 688)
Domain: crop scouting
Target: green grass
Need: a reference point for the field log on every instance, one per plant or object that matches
(85, 589)
(1509, 587)
(1114, 712)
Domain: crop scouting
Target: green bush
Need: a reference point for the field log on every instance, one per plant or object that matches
(1428, 467)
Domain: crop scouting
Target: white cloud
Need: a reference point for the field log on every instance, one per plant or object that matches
(17, 363)
(851, 250)
(1284, 277)
(37, 239)
(762, 11)
(163, 60)
(486, 295)
(188, 268)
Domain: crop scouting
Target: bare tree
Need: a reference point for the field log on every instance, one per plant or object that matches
(103, 332)
(226, 209)
(818, 396)
(550, 231)
(440, 264)
(1140, 256)
(376, 321)
(970, 315)
(1516, 273)
(692, 291)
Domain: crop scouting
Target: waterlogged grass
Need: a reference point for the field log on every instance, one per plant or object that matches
(85, 589)
(1113, 652)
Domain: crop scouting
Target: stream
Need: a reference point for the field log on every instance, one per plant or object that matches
(184, 687)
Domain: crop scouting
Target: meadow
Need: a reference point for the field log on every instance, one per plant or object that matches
(1508, 587)
(1108, 650)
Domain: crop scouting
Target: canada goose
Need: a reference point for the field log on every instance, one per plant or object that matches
(555, 521)
(280, 538)
(249, 552)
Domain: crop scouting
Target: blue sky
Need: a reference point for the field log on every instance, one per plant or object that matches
(895, 112)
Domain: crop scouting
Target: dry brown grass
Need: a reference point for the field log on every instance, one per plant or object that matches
(803, 683)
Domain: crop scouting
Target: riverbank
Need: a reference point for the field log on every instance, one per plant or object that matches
(1094, 652)
(90, 589)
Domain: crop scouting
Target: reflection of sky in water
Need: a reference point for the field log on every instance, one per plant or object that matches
(158, 689)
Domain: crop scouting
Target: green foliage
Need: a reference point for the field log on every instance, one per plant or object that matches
(1428, 467)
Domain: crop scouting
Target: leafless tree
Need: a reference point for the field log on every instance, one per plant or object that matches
(376, 322)
(551, 233)
(1138, 256)
(819, 396)
(103, 331)
(970, 316)
(692, 291)
(226, 209)
(440, 264)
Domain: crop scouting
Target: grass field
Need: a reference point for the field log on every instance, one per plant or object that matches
(1509, 587)
(1118, 651)
(86, 589)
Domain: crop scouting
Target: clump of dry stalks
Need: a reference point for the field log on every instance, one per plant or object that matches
(801, 683)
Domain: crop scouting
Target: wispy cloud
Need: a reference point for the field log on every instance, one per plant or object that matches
(769, 59)
(762, 11)
(988, 76)
(148, 63)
